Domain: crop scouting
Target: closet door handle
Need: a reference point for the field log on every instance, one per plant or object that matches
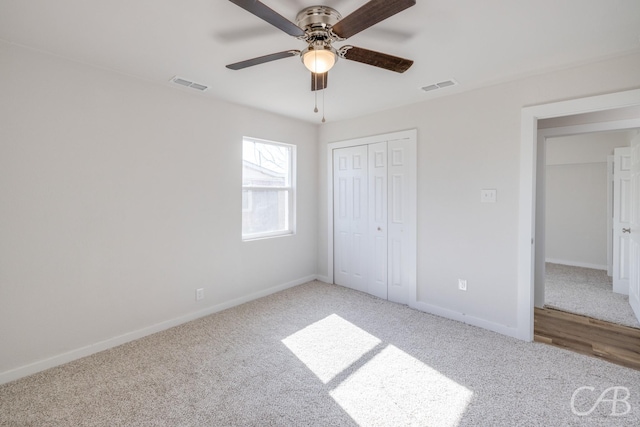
(626, 230)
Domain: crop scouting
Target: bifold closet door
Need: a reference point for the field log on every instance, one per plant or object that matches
(401, 233)
(377, 284)
(374, 218)
(350, 206)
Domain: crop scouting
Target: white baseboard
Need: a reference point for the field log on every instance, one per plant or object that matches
(576, 264)
(88, 350)
(464, 318)
(324, 279)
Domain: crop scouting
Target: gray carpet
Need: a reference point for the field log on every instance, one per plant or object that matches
(323, 355)
(588, 292)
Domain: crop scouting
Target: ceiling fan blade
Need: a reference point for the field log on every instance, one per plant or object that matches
(272, 17)
(262, 59)
(319, 81)
(377, 59)
(370, 14)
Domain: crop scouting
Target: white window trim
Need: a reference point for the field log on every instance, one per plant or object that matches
(291, 220)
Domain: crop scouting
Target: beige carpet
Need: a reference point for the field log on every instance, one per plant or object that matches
(588, 292)
(323, 355)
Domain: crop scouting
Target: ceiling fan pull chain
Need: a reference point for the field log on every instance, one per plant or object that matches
(323, 90)
(315, 78)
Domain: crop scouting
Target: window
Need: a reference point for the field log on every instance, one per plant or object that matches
(268, 199)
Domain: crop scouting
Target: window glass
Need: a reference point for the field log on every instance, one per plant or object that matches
(267, 189)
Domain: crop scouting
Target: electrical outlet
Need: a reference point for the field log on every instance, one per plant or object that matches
(488, 196)
(462, 284)
(199, 294)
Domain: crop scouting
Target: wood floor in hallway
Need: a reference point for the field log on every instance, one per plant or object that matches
(605, 340)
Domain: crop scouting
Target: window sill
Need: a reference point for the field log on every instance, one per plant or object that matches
(263, 236)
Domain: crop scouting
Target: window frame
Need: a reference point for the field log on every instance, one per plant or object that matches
(291, 189)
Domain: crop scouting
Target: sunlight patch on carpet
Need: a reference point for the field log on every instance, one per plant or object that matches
(330, 346)
(394, 388)
(377, 383)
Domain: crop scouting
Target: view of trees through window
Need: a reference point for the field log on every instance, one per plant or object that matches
(267, 190)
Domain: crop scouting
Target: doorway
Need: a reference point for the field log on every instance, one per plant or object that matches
(372, 215)
(530, 237)
(581, 198)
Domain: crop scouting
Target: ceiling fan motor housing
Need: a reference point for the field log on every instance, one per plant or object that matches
(317, 21)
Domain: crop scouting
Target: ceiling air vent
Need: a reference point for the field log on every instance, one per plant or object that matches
(188, 83)
(440, 85)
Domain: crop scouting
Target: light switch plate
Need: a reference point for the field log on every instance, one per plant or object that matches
(488, 195)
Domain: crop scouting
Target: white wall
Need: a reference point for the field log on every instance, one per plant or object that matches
(576, 197)
(613, 115)
(467, 142)
(576, 215)
(118, 198)
(585, 148)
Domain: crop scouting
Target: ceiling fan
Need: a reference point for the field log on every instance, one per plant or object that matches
(320, 27)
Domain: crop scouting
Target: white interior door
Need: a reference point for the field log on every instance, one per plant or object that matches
(621, 218)
(634, 238)
(350, 193)
(402, 220)
(378, 219)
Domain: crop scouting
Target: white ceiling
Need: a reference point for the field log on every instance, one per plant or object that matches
(475, 42)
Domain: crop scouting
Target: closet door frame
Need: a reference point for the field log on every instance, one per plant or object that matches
(410, 266)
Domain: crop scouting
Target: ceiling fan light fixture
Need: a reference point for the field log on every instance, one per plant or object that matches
(319, 60)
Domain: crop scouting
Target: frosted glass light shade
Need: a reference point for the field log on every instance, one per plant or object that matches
(319, 60)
